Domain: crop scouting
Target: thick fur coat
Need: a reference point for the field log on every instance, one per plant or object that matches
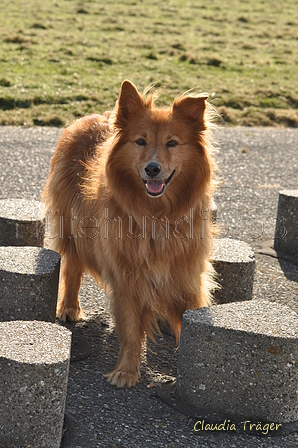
(129, 196)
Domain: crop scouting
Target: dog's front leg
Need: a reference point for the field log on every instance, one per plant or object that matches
(131, 336)
(72, 271)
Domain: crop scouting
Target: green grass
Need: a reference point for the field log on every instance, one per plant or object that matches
(63, 59)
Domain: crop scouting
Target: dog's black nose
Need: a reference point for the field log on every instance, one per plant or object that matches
(152, 169)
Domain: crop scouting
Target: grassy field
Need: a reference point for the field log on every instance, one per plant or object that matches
(61, 59)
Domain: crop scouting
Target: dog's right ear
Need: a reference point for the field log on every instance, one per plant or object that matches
(129, 104)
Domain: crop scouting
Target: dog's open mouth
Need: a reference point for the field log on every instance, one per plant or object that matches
(156, 187)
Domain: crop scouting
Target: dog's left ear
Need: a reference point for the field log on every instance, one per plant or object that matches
(191, 108)
(129, 104)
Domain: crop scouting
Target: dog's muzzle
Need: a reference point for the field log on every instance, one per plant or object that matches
(154, 185)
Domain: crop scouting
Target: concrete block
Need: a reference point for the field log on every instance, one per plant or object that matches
(34, 365)
(22, 223)
(240, 360)
(234, 263)
(213, 210)
(29, 279)
(286, 229)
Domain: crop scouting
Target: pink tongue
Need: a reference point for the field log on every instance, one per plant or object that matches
(155, 186)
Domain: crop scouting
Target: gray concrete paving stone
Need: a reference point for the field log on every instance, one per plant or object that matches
(34, 365)
(22, 223)
(234, 264)
(29, 279)
(286, 230)
(240, 359)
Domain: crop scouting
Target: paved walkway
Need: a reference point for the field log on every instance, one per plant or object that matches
(255, 163)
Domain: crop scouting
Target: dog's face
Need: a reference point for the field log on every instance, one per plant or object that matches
(153, 144)
(159, 154)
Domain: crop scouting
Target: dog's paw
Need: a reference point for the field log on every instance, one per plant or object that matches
(121, 378)
(66, 313)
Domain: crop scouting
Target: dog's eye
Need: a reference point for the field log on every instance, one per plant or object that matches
(172, 143)
(141, 142)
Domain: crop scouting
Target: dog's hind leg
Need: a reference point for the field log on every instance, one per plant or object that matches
(72, 270)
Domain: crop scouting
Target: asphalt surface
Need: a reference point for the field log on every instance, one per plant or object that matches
(254, 163)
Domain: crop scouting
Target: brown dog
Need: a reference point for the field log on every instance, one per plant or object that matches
(129, 193)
